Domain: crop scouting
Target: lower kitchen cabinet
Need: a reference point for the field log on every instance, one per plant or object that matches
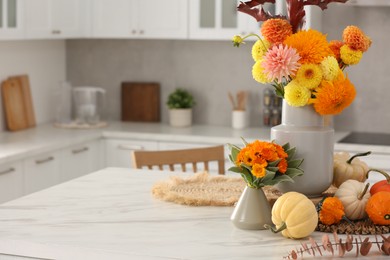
(80, 160)
(118, 151)
(11, 181)
(41, 171)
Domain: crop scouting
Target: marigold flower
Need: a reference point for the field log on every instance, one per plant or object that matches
(332, 97)
(237, 40)
(259, 49)
(280, 151)
(280, 61)
(335, 47)
(356, 39)
(350, 56)
(330, 68)
(276, 30)
(258, 73)
(311, 46)
(309, 75)
(282, 166)
(296, 95)
(268, 152)
(258, 171)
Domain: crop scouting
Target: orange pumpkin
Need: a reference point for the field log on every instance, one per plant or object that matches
(378, 208)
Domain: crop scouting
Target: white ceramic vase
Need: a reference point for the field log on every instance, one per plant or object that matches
(240, 119)
(305, 129)
(252, 211)
(180, 117)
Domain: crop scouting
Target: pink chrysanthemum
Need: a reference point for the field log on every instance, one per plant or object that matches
(281, 61)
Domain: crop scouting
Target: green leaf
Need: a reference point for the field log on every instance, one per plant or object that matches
(234, 151)
(281, 178)
(272, 169)
(286, 146)
(274, 163)
(235, 169)
(295, 163)
(291, 152)
(247, 175)
(244, 141)
(268, 176)
(292, 173)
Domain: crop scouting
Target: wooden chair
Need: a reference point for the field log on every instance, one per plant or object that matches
(172, 157)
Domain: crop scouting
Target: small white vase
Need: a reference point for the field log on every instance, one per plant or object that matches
(239, 119)
(180, 117)
(305, 129)
(252, 211)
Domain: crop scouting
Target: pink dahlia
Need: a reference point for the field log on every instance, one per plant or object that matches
(281, 61)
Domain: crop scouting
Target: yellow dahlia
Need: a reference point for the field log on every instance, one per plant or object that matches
(356, 39)
(296, 95)
(311, 46)
(309, 75)
(259, 74)
(350, 56)
(276, 30)
(330, 68)
(259, 49)
(332, 97)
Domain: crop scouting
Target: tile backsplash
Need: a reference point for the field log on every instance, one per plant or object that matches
(209, 69)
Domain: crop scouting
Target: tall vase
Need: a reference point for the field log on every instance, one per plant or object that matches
(252, 211)
(305, 129)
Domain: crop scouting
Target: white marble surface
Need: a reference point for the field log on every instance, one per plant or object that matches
(111, 214)
(45, 138)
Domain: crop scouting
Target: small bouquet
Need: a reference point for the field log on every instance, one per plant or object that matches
(303, 67)
(265, 163)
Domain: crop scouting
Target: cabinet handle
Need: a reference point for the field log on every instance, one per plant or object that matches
(130, 147)
(8, 170)
(141, 32)
(76, 151)
(56, 32)
(133, 31)
(48, 159)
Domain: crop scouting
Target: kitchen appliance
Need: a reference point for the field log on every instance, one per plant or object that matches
(88, 104)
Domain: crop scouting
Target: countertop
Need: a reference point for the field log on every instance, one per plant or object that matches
(45, 138)
(111, 214)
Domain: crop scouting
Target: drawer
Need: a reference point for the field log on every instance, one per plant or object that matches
(11, 181)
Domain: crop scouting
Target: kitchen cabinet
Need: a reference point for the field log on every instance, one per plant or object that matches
(139, 19)
(55, 18)
(11, 181)
(79, 160)
(41, 171)
(219, 20)
(10, 19)
(118, 151)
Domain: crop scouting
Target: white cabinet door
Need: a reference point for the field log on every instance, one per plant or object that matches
(139, 19)
(41, 171)
(80, 160)
(11, 181)
(10, 19)
(118, 152)
(219, 20)
(54, 18)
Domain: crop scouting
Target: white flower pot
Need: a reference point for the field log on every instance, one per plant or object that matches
(180, 117)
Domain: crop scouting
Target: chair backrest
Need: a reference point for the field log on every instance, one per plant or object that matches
(181, 157)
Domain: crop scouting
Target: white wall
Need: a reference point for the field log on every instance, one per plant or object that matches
(44, 62)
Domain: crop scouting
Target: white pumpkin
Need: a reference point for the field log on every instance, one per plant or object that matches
(354, 196)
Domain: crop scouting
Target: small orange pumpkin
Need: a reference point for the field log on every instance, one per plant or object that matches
(378, 208)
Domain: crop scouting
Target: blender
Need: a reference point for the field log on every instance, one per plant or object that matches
(88, 104)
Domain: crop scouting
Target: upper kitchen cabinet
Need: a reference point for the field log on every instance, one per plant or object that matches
(139, 19)
(10, 19)
(55, 18)
(219, 20)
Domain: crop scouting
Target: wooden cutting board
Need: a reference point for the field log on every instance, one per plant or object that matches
(17, 103)
(140, 102)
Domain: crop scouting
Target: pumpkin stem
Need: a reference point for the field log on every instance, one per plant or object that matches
(349, 221)
(357, 155)
(361, 195)
(282, 227)
(387, 176)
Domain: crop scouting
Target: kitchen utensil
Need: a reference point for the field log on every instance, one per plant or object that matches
(140, 102)
(88, 104)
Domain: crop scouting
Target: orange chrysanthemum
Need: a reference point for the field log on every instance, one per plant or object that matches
(258, 171)
(356, 39)
(282, 166)
(311, 46)
(332, 97)
(335, 47)
(276, 30)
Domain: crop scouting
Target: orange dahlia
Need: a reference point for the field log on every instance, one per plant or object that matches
(335, 47)
(311, 46)
(356, 39)
(276, 30)
(332, 97)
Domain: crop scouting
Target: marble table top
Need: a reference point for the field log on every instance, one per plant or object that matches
(111, 214)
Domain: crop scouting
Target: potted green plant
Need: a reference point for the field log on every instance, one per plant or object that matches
(180, 103)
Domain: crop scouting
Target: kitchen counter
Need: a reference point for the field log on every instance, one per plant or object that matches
(45, 138)
(111, 214)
